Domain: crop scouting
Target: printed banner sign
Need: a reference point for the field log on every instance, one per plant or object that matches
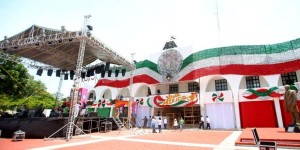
(173, 100)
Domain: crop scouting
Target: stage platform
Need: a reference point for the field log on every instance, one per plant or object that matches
(44, 127)
(278, 135)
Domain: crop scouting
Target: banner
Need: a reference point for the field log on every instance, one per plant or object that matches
(173, 100)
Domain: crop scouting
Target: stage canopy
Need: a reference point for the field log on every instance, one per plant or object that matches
(59, 48)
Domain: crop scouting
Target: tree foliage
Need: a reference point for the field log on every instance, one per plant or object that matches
(18, 87)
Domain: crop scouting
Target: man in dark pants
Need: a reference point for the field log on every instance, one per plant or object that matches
(201, 123)
(207, 123)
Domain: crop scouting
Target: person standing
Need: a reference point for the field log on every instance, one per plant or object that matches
(77, 108)
(159, 122)
(207, 123)
(175, 124)
(290, 101)
(181, 123)
(201, 122)
(145, 122)
(153, 122)
(165, 122)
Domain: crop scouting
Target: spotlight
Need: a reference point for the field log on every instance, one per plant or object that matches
(88, 73)
(70, 40)
(37, 44)
(117, 72)
(107, 66)
(72, 74)
(103, 73)
(123, 72)
(39, 72)
(57, 73)
(169, 77)
(90, 27)
(92, 72)
(109, 73)
(50, 42)
(99, 69)
(66, 76)
(60, 40)
(50, 71)
(82, 75)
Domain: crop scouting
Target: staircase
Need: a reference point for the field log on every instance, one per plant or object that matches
(119, 123)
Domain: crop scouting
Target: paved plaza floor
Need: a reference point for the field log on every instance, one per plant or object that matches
(138, 139)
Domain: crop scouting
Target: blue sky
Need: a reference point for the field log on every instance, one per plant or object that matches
(143, 26)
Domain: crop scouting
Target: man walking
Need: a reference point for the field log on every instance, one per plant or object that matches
(207, 123)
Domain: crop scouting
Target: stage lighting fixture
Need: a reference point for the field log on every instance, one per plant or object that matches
(92, 72)
(58, 73)
(123, 72)
(60, 40)
(88, 34)
(37, 44)
(109, 73)
(39, 72)
(117, 72)
(88, 73)
(90, 27)
(70, 40)
(107, 66)
(66, 76)
(72, 73)
(82, 75)
(98, 70)
(103, 73)
(50, 71)
(50, 42)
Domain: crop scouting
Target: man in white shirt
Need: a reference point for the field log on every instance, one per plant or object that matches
(159, 122)
(201, 123)
(165, 122)
(153, 122)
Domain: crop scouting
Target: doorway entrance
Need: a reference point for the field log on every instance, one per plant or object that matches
(170, 118)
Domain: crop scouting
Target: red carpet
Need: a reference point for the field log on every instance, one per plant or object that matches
(282, 138)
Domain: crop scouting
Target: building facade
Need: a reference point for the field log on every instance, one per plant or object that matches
(236, 86)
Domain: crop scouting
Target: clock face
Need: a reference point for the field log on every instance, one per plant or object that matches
(169, 63)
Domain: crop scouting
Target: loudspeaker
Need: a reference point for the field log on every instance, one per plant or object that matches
(82, 75)
(123, 72)
(107, 66)
(39, 72)
(117, 72)
(57, 73)
(50, 71)
(103, 73)
(66, 76)
(72, 73)
(109, 73)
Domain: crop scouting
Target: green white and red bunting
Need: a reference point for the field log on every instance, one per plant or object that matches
(218, 97)
(173, 100)
(265, 93)
(100, 103)
(242, 60)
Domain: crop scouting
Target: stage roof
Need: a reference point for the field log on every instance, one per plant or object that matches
(59, 48)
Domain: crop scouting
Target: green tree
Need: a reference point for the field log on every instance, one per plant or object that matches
(18, 87)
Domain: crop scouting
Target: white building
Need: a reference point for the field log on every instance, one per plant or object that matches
(236, 86)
